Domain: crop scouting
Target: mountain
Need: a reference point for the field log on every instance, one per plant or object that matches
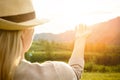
(105, 32)
(67, 36)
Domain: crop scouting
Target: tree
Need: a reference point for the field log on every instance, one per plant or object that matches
(48, 50)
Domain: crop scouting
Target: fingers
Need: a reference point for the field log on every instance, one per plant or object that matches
(82, 30)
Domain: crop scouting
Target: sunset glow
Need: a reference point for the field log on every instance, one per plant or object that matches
(65, 14)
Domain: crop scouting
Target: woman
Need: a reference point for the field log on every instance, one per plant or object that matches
(17, 21)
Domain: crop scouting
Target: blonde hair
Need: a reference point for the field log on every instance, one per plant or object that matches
(10, 53)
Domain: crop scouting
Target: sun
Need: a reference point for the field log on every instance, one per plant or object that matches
(65, 14)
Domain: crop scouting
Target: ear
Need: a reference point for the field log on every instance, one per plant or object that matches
(27, 37)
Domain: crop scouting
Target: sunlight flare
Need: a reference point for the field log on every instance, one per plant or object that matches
(65, 14)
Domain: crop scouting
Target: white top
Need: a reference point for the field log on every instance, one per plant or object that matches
(50, 70)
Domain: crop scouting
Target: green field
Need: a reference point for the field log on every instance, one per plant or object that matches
(100, 76)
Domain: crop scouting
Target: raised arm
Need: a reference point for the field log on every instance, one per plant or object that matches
(77, 57)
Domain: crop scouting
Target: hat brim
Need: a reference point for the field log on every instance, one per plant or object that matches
(9, 25)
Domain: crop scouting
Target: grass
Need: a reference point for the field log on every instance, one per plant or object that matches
(100, 76)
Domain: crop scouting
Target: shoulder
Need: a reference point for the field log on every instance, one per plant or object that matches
(49, 70)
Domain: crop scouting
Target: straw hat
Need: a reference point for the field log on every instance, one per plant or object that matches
(18, 15)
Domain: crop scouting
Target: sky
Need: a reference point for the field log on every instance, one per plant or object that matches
(64, 15)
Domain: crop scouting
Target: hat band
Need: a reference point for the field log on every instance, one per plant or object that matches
(20, 18)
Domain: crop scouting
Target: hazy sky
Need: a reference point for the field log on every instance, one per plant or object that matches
(65, 14)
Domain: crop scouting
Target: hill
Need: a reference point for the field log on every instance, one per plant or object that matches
(67, 36)
(105, 32)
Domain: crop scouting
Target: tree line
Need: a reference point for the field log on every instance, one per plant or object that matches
(95, 54)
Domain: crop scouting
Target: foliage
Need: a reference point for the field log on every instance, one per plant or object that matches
(98, 58)
(103, 58)
(92, 67)
(42, 56)
(100, 76)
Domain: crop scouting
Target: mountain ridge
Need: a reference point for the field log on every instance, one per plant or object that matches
(107, 32)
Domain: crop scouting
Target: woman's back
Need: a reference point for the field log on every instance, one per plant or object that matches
(50, 70)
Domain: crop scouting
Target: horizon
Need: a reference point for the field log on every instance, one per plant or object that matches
(66, 14)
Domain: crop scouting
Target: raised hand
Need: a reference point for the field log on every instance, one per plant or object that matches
(82, 31)
(77, 57)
